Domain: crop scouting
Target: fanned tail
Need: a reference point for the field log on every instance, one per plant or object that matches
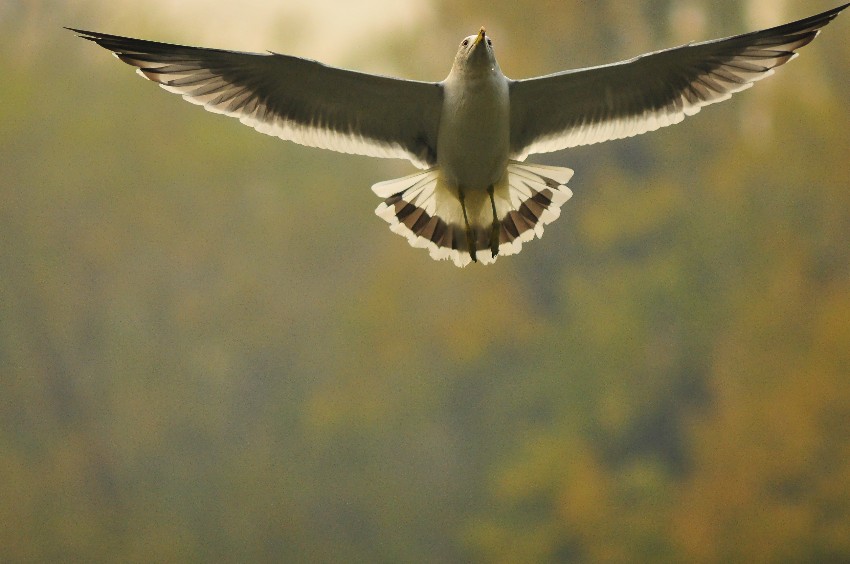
(425, 210)
(535, 196)
(419, 208)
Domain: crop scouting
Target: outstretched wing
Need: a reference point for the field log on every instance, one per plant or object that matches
(295, 99)
(586, 106)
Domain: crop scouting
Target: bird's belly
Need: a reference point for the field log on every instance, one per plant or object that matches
(472, 145)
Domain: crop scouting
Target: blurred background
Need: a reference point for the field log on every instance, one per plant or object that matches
(211, 349)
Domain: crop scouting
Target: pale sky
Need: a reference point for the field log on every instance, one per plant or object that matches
(325, 30)
(318, 29)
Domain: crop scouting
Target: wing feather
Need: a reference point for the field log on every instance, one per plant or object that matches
(591, 105)
(293, 98)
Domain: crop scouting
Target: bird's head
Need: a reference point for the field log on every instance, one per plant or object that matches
(475, 54)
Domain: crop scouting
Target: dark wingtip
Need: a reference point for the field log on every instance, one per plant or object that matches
(830, 15)
(83, 34)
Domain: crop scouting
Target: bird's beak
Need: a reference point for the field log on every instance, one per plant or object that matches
(480, 38)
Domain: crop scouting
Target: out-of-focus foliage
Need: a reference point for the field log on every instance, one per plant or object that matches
(211, 349)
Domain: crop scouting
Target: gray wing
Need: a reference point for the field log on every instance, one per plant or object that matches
(295, 99)
(655, 90)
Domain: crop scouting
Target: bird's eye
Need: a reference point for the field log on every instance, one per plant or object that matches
(489, 43)
(465, 42)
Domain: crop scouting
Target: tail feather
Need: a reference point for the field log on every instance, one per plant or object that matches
(425, 210)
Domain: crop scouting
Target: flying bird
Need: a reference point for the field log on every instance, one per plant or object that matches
(476, 197)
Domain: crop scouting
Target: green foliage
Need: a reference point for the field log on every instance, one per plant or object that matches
(211, 350)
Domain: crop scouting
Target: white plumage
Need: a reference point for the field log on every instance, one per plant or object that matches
(476, 198)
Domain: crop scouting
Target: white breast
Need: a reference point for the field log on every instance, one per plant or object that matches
(474, 132)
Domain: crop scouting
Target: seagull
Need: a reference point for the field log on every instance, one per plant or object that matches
(475, 198)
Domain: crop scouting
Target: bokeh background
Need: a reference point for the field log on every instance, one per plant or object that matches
(212, 350)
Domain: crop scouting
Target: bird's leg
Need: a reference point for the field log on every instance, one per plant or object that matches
(494, 232)
(470, 238)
